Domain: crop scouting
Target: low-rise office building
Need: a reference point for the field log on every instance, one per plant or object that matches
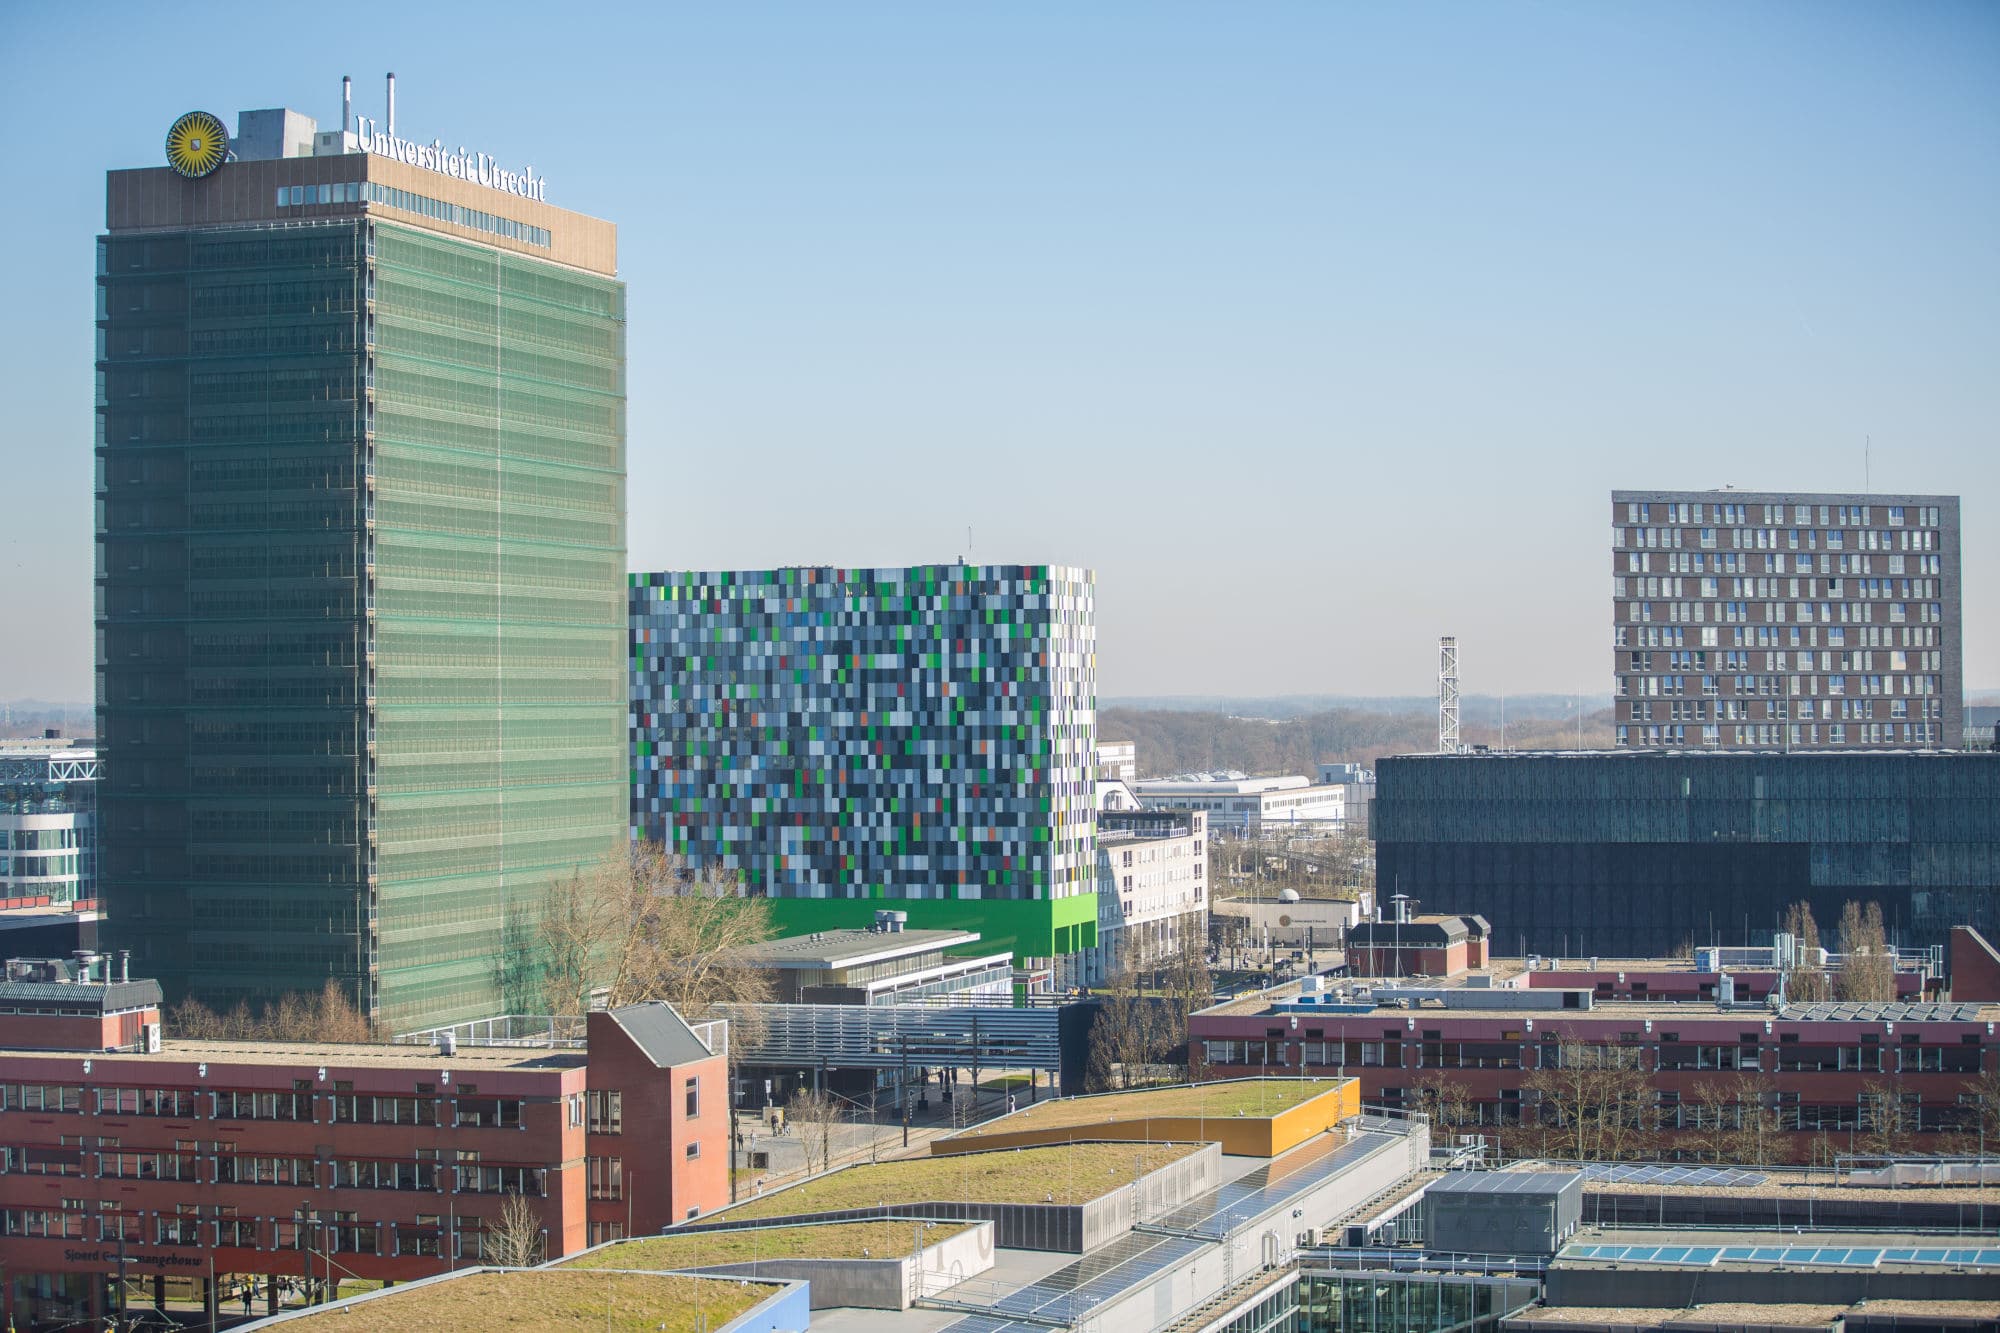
(1358, 785)
(1152, 888)
(1482, 1051)
(1117, 761)
(124, 1154)
(1250, 807)
(1284, 920)
(48, 824)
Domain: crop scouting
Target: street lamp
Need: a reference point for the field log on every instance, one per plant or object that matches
(307, 1214)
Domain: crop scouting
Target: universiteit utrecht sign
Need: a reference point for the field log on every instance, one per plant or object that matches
(457, 163)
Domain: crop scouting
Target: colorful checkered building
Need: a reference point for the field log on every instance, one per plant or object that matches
(854, 739)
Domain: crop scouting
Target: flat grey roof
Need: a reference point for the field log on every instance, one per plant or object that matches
(833, 948)
(661, 1033)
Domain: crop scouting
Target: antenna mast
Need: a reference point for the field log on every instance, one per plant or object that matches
(1447, 694)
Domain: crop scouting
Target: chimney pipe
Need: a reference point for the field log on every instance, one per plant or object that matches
(346, 104)
(392, 102)
(124, 964)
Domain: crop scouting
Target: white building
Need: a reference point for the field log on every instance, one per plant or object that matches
(1250, 806)
(1284, 921)
(1358, 786)
(1117, 761)
(1152, 888)
(48, 849)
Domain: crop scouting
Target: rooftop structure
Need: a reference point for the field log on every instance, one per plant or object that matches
(887, 965)
(1766, 620)
(1405, 945)
(560, 1301)
(1504, 1212)
(1654, 1267)
(1128, 1252)
(1256, 1117)
(87, 1002)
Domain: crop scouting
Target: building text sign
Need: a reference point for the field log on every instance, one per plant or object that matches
(454, 162)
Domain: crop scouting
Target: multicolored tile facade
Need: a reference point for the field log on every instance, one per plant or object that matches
(922, 733)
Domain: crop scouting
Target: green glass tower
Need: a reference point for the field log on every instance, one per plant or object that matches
(361, 615)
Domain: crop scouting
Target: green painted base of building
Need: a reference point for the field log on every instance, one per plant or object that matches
(1032, 928)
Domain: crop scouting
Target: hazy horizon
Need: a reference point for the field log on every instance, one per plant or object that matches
(1289, 321)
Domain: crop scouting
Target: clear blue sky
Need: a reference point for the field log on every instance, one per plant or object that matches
(1317, 330)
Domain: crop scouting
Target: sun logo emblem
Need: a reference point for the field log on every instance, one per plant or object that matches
(197, 144)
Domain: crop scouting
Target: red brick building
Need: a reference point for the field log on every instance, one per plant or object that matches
(1975, 966)
(1712, 1055)
(1418, 946)
(244, 1162)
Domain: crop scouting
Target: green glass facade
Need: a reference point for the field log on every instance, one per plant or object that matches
(360, 614)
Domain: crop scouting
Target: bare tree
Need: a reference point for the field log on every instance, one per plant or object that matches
(813, 1112)
(1734, 1121)
(328, 1016)
(1188, 985)
(1867, 967)
(1981, 1097)
(1601, 1102)
(514, 1238)
(642, 925)
(1125, 1037)
(1805, 982)
(1445, 1100)
(1885, 1126)
(963, 1106)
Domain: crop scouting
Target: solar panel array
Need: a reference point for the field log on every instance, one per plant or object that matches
(1790, 1256)
(1633, 1173)
(1886, 1011)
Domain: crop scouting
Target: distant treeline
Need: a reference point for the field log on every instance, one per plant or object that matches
(30, 717)
(1185, 742)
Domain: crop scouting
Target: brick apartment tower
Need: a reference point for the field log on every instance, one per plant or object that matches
(1765, 620)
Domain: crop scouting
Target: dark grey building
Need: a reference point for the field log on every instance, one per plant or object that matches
(1780, 620)
(1504, 1212)
(1632, 854)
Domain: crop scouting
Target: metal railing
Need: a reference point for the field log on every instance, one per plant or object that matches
(502, 1030)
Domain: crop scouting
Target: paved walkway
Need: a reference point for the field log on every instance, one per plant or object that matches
(858, 1139)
